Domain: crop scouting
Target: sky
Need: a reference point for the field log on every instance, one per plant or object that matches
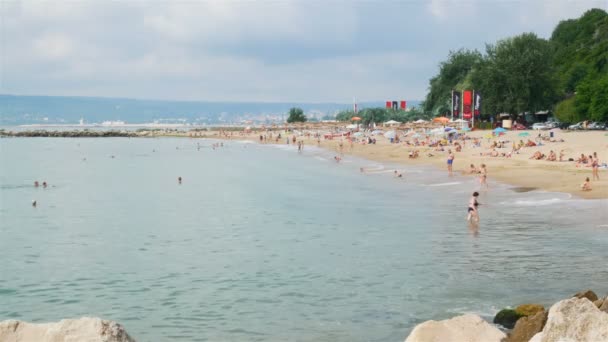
(265, 50)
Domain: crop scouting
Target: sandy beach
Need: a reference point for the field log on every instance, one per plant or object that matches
(518, 170)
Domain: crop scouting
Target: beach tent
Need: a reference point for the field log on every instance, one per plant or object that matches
(355, 118)
(351, 126)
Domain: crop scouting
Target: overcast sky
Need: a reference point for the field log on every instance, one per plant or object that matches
(312, 51)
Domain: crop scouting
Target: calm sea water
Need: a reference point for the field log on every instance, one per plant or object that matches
(263, 243)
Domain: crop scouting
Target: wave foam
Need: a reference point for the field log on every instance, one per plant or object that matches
(444, 184)
(535, 202)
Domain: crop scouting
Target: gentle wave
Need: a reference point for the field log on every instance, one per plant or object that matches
(444, 184)
(532, 202)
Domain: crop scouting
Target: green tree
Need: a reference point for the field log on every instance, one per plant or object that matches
(345, 115)
(566, 112)
(452, 72)
(517, 75)
(296, 115)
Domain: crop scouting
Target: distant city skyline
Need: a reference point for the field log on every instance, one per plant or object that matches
(261, 51)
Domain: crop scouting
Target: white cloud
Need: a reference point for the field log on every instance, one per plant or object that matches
(258, 50)
(53, 46)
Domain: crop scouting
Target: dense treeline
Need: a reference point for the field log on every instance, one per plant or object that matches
(379, 115)
(567, 74)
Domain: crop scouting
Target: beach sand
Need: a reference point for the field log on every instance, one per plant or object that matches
(518, 170)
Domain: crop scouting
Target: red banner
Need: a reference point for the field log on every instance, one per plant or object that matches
(389, 104)
(467, 102)
(403, 105)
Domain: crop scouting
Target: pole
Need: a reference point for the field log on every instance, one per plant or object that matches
(473, 110)
(452, 105)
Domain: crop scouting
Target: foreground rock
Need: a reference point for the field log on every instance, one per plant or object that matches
(586, 294)
(469, 328)
(83, 329)
(507, 318)
(575, 319)
(527, 327)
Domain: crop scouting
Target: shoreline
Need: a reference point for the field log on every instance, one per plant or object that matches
(518, 170)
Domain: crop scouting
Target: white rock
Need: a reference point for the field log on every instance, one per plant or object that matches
(465, 328)
(84, 329)
(574, 320)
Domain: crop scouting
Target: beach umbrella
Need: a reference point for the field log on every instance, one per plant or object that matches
(356, 118)
(390, 134)
(447, 129)
(441, 119)
(523, 134)
(378, 131)
(499, 130)
(465, 129)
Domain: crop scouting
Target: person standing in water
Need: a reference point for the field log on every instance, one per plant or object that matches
(473, 215)
(450, 161)
(483, 178)
(179, 179)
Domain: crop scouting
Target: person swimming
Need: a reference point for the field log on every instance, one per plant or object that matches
(36, 184)
(472, 210)
(44, 185)
(34, 203)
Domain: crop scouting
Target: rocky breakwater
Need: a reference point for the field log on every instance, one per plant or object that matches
(82, 329)
(582, 318)
(69, 134)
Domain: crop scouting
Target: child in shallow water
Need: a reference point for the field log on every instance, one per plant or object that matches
(586, 186)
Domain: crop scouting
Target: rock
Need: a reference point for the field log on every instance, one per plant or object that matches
(507, 318)
(574, 319)
(598, 303)
(470, 328)
(82, 329)
(529, 309)
(527, 327)
(586, 294)
(604, 306)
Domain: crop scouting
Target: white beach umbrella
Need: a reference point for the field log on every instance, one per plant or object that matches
(390, 134)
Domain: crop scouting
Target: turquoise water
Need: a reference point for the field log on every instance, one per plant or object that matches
(263, 243)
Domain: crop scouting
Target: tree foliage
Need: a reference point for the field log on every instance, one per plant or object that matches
(525, 73)
(451, 72)
(379, 115)
(517, 75)
(296, 115)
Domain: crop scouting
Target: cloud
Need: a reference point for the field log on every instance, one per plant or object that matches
(239, 50)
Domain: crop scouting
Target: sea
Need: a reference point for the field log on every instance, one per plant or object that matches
(263, 243)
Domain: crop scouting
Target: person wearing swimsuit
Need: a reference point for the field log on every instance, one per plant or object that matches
(472, 210)
(595, 164)
(450, 161)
